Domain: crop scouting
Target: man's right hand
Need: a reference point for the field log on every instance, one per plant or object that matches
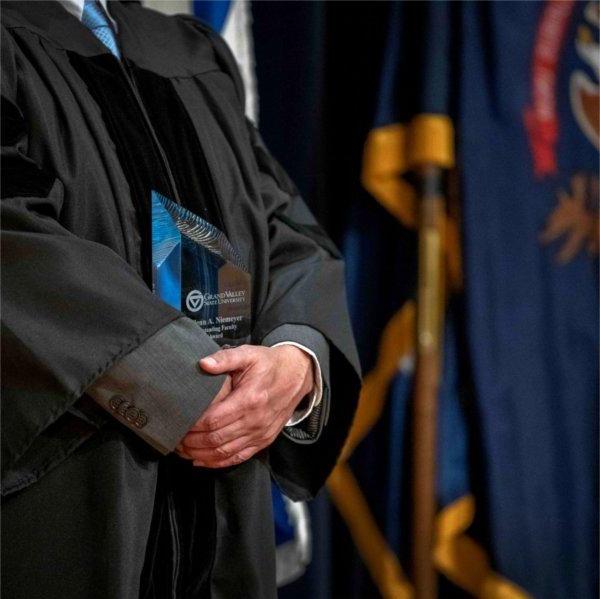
(220, 396)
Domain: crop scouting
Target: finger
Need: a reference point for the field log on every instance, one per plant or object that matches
(182, 453)
(238, 403)
(226, 360)
(223, 452)
(238, 458)
(200, 439)
(225, 455)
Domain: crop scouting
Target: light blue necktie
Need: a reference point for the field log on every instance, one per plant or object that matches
(96, 20)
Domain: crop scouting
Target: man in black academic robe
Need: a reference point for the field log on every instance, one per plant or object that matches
(104, 401)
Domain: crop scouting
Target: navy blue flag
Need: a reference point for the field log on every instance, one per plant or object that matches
(504, 96)
(528, 130)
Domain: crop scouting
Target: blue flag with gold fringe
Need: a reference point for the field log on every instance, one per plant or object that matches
(505, 97)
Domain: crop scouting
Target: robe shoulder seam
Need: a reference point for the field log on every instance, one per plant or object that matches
(37, 33)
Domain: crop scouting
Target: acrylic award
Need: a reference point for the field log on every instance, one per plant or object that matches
(196, 270)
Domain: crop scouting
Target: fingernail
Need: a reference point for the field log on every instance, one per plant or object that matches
(209, 361)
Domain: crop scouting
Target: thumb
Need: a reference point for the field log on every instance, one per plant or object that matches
(226, 360)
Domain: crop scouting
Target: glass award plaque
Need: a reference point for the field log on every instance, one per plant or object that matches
(196, 270)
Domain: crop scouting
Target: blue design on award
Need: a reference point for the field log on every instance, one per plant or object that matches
(166, 254)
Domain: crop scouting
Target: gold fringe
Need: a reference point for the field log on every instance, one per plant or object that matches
(396, 342)
(381, 561)
(430, 140)
(456, 555)
(392, 150)
(384, 165)
(463, 561)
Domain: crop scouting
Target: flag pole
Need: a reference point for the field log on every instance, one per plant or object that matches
(430, 302)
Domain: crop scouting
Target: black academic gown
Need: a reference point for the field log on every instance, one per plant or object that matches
(89, 508)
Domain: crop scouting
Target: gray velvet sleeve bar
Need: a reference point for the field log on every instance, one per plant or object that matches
(158, 390)
(309, 430)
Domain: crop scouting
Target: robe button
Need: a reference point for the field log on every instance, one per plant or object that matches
(128, 411)
(115, 402)
(131, 413)
(142, 420)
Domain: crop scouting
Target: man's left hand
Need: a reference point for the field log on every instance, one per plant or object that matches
(268, 385)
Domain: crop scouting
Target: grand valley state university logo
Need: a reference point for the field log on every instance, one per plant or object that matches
(194, 300)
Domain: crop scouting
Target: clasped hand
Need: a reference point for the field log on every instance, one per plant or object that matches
(263, 387)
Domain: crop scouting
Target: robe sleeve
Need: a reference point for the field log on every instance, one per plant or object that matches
(73, 312)
(306, 287)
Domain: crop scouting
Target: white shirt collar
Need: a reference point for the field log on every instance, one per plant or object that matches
(75, 7)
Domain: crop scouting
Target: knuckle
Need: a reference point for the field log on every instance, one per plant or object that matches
(259, 398)
(240, 457)
(263, 368)
(215, 438)
(249, 452)
(222, 453)
(187, 447)
(213, 423)
(251, 403)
